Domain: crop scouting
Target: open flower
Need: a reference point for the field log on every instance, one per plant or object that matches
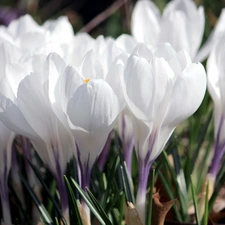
(92, 112)
(156, 83)
(28, 36)
(182, 25)
(28, 107)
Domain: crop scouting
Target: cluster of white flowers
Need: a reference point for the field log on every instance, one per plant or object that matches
(66, 92)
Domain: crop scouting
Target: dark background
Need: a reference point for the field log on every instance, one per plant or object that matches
(115, 14)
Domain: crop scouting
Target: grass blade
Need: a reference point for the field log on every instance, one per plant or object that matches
(99, 208)
(46, 217)
(206, 213)
(195, 202)
(74, 211)
(37, 173)
(170, 194)
(182, 197)
(88, 202)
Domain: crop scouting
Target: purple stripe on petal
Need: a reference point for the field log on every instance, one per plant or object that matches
(105, 152)
(127, 153)
(219, 150)
(58, 174)
(127, 147)
(85, 171)
(143, 173)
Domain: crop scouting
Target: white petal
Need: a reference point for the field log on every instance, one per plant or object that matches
(61, 29)
(8, 54)
(217, 32)
(164, 50)
(125, 128)
(94, 106)
(143, 85)
(15, 73)
(143, 51)
(114, 76)
(196, 31)
(32, 40)
(90, 145)
(179, 62)
(145, 22)
(33, 103)
(186, 6)
(162, 89)
(23, 25)
(188, 92)
(90, 67)
(141, 136)
(137, 86)
(80, 45)
(221, 68)
(54, 67)
(126, 42)
(12, 117)
(174, 31)
(66, 85)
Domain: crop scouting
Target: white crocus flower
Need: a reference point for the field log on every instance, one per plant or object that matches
(156, 83)
(92, 111)
(29, 36)
(29, 108)
(182, 25)
(216, 87)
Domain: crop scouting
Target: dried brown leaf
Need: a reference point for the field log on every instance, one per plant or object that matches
(160, 209)
(132, 216)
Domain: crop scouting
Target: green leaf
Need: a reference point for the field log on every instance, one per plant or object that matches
(195, 202)
(74, 211)
(124, 175)
(181, 193)
(168, 189)
(24, 214)
(46, 217)
(88, 202)
(189, 166)
(109, 183)
(206, 213)
(99, 208)
(37, 173)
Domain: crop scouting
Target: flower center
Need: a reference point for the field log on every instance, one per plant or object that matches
(86, 80)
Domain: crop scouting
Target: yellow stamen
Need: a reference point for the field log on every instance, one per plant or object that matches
(86, 80)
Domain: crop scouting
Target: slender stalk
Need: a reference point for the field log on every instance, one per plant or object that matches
(127, 154)
(85, 173)
(219, 151)
(143, 172)
(61, 186)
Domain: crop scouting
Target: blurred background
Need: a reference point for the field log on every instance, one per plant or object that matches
(107, 17)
